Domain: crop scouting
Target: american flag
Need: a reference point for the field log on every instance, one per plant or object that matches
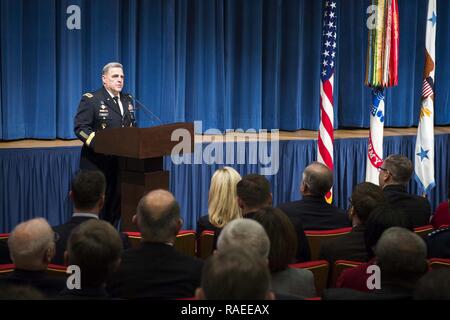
(328, 61)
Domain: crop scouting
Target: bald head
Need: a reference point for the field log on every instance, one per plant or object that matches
(158, 216)
(317, 180)
(31, 244)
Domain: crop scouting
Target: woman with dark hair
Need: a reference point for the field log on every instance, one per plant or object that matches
(442, 214)
(283, 247)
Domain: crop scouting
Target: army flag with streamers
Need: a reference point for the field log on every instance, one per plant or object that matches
(381, 72)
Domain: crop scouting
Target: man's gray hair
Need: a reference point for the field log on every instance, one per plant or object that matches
(401, 255)
(244, 233)
(29, 241)
(111, 65)
(318, 178)
(400, 167)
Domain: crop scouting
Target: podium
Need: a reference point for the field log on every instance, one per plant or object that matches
(140, 152)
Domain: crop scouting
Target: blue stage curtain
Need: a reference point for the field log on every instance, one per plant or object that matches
(230, 63)
(36, 182)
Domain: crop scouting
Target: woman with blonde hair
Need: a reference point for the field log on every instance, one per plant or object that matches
(222, 201)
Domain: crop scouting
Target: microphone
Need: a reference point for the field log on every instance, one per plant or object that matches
(142, 107)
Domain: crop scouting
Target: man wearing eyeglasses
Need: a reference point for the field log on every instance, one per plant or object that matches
(394, 176)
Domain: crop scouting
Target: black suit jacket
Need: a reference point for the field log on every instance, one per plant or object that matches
(303, 251)
(416, 207)
(438, 243)
(350, 246)
(156, 270)
(316, 214)
(50, 286)
(64, 231)
(204, 224)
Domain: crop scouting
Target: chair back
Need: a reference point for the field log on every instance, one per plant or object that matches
(6, 268)
(315, 238)
(319, 269)
(339, 266)
(134, 238)
(185, 242)
(4, 250)
(423, 231)
(205, 245)
(56, 270)
(438, 263)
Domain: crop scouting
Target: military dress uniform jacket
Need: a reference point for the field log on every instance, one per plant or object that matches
(98, 111)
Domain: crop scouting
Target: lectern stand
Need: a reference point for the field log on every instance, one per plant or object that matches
(140, 152)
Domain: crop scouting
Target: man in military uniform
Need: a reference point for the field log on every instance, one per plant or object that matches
(438, 243)
(100, 110)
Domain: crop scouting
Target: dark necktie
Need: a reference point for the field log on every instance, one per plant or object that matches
(116, 100)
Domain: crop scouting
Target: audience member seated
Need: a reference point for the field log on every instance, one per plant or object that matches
(438, 243)
(402, 258)
(244, 233)
(442, 215)
(247, 235)
(88, 196)
(313, 211)
(365, 197)
(235, 274)
(380, 219)
(253, 193)
(32, 247)
(95, 247)
(394, 177)
(434, 285)
(283, 246)
(222, 204)
(156, 269)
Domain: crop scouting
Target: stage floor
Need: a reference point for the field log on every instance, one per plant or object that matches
(283, 135)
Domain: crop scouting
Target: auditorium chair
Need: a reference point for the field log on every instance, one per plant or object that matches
(56, 270)
(52, 269)
(6, 268)
(423, 231)
(134, 237)
(205, 244)
(320, 269)
(438, 263)
(339, 266)
(4, 250)
(185, 241)
(315, 238)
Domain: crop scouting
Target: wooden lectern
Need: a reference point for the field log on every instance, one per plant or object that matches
(140, 152)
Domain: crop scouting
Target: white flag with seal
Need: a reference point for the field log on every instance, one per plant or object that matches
(424, 153)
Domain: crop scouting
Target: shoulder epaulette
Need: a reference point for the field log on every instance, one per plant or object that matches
(89, 95)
